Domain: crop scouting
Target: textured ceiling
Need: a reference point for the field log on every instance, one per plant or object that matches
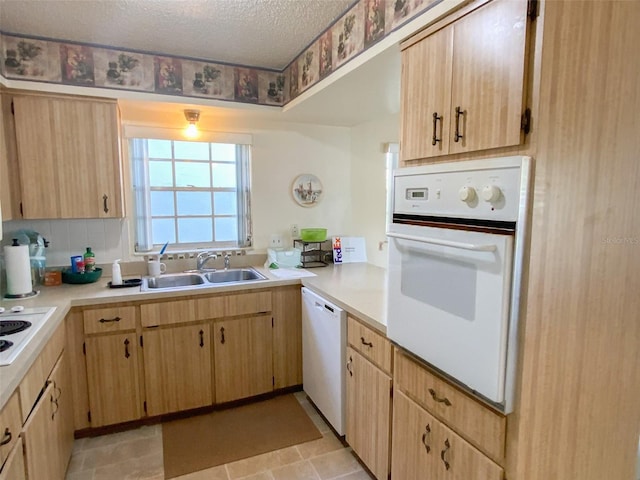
(259, 33)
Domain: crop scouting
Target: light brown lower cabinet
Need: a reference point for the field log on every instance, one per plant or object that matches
(48, 432)
(243, 357)
(177, 368)
(112, 373)
(425, 448)
(14, 466)
(368, 413)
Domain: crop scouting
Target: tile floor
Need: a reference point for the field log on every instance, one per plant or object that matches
(137, 455)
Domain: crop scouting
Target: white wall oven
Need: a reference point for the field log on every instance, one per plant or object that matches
(456, 250)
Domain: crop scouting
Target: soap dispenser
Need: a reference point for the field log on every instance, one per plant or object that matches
(116, 274)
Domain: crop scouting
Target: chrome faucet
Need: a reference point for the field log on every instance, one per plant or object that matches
(227, 261)
(203, 258)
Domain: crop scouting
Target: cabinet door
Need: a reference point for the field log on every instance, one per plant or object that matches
(426, 90)
(243, 357)
(40, 438)
(368, 413)
(177, 368)
(413, 455)
(14, 467)
(37, 161)
(63, 414)
(287, 337)
(488, 76)
(112, 371)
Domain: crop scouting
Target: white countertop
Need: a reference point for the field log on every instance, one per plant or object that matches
(358, 288)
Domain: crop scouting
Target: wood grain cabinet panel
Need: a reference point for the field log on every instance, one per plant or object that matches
(248, 303)
(167, 313)
(68, 156)
(10, 426)
(368, 429)
(113, 378)
(14, 468)
(471, 75)
(372, 345)
(243, 352)
(177, 368)
(287, 337)
(110, 319)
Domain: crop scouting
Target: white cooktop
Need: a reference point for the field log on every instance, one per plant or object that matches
(36, 316)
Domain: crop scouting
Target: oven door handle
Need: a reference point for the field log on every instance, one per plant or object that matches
(445, 243)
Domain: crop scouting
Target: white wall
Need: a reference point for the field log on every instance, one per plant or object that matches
(368, 182)
(280, 152)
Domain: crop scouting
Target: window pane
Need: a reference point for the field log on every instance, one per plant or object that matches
(160, 174)
(225, 203)
(191, 174)
(194, 230)
(194, 203)
(226, 229)
(162, 204)
(163, 230)
(159, 148)
(224, 175)
(223, 152)
(191, 150)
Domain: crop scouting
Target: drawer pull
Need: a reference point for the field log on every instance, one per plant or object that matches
(221, 334)
(364, 342)
(109, 320)
(459, 113)
(7, 437)
(201, 338)
(126, 348)
(425, 437)
(349, 366)
(444, 400)
(105, 206)
(435, 138)
(447, 446)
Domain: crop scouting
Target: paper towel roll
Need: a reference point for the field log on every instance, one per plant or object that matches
(18, 265)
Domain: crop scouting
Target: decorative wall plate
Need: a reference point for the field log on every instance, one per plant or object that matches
(306, 190)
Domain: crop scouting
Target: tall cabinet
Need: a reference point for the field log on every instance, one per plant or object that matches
(68, 157)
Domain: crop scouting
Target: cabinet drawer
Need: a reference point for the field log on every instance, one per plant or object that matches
(478, 424)
(372, 345)
(10, 426)
(211, 307)
(168, 313)
(107, 320)
(248, 303)
(37, 375)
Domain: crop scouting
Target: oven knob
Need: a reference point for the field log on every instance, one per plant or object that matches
(491, 193)
(1, 309)
(467, 194)
(17, 309)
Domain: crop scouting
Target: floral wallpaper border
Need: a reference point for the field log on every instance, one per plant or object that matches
(70, 63)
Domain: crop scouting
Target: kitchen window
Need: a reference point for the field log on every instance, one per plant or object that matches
(192, 194)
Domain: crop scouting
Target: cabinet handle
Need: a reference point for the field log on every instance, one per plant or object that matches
(368, 344)
(444, 400)
(349, 366)
(425, 435)
(126, 348)
(459, 113)
(201, 339)
(105, 207)
(57, 390)
(55, 402)
(109, 320)
(447, 446)
(435, 138)
(221, 334)
(7, 437)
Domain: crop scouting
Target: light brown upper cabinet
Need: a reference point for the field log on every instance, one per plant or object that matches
(68, 157)
(463, 86)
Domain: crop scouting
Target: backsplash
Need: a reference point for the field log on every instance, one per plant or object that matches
(108, 238)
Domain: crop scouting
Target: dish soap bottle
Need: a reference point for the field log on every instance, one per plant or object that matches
(89, 260)
(116, 274)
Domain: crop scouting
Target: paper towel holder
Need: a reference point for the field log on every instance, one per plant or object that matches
(18, 296)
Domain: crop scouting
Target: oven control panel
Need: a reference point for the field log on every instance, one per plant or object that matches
(480, 189)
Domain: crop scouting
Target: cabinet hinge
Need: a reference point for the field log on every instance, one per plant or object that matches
(21, 211)
(273, 381)
(141, 342)
(532, 9)
(144, 406)
(13, 112)
(271, 322)
(525, 121)
(89, 416)
(84, 348)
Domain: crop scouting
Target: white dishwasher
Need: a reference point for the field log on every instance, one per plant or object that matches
(324, 332)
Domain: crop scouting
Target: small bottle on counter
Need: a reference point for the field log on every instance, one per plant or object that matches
(89, 260)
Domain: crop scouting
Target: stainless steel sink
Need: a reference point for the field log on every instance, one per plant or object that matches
(184, 281)
(227, 276)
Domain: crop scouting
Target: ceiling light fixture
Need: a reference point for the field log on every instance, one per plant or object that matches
(192, 117)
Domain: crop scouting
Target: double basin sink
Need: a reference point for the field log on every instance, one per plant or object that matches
(189, 280)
